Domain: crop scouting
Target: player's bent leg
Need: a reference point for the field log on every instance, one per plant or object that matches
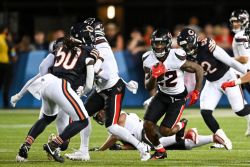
(192, 134)
(125, 135)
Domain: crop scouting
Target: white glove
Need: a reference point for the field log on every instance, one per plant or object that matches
(14, 99)
(212, 45)
(132, 86)
(80, 91)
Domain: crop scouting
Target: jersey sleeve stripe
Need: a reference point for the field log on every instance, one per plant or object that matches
(180, 57)
(72, 101)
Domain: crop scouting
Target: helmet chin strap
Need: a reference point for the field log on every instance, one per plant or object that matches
(160, 55)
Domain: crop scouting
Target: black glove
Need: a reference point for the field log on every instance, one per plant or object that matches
(115, 147)
(94, 149)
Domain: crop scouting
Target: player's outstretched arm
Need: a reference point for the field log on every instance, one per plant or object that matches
(111, 140)
(222, 56)
(15, 98)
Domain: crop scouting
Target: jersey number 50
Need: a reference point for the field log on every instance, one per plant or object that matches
(63, 59)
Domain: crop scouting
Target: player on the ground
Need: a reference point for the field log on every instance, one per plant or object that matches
(183, 140)
(239, 20)
(108, 95)
(164, 67)
(216, 64)
(58, 75)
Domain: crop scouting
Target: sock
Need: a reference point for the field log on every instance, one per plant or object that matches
(210, 120)
(125, 135)
(189, 144)
(160, 148)
(84, 135)
(168, 141)
(181, 125)
(73, 128)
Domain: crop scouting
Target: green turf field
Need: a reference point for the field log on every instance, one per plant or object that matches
(14, 125)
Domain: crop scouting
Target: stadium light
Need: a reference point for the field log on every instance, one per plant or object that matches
(111, 12)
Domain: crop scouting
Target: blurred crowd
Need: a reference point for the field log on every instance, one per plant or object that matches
(137, 43)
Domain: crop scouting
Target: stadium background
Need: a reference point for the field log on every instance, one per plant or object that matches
(26, 16)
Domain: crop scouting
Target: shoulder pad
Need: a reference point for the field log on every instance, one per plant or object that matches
(145, 55)
(180, 54)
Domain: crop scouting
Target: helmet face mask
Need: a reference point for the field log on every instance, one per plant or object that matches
(161, 41)
(239, 20)
(97, 25)
(83, 33)
(187, 39)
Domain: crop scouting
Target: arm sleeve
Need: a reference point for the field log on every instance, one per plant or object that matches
(89, 77)
(98, 65)
(25, 87)
(222, 56)
(46, 64)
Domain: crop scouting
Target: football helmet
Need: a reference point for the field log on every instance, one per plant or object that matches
(99, 117)
(187, 39)
(83, 33)
(161, 41)
(97, 25)
(240, 16)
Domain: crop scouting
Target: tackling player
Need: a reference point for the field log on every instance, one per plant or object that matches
(165, 68)
(55, 85)
(216, 64)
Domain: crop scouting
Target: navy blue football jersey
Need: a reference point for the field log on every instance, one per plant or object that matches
(70, 64)
(213, 68)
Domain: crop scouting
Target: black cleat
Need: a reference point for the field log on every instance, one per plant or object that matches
(23, 153)
(180, 134)
(54, 152)
(159, 155)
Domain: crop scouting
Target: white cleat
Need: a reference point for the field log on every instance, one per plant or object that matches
(217, 145)
(144, 152)
(221, 138)
(78, 156)
(192, 134)
(20, 159)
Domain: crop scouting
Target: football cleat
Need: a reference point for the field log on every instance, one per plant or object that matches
(23, 153)
(216, 145)
(159, 154)
(180, 134)
(144, 154)
(221, 138)
(192, 134)
(50, 139)
(78, 156)
(54, 152)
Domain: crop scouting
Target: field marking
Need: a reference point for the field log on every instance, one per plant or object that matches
(14, 126)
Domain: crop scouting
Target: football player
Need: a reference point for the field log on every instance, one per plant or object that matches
(164, 67)
(180, 141)
(108, 94)
(56, 85)
(239, 20)
(216, 64)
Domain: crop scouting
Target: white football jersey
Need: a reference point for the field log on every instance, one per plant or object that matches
(173, 82)
(134, 125)
(109, 66)
(239, 48)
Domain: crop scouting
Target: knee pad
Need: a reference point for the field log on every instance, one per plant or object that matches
(244, 112)
(205, 113)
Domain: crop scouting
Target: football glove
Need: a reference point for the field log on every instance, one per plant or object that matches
(14, 99)
(80, 91)
(94, 149)
(193, 96)
(228, 84)
(212, 45)
(158, 70)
